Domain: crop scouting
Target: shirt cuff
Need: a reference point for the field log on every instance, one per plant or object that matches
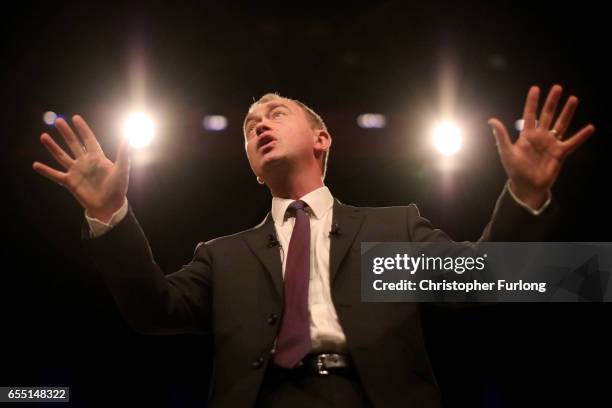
(98, 228)
(525, 206)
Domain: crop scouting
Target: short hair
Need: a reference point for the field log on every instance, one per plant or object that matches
(313, 117)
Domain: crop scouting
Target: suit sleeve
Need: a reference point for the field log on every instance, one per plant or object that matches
(510, 222)
(151, 302)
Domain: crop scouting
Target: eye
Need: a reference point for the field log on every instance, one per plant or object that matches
(277, 113)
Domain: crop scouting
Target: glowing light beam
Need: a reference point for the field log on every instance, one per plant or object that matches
(447, 138)
(139, 129)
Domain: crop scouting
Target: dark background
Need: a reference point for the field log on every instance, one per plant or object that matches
(59, 324)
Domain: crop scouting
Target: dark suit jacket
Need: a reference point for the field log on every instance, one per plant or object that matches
(232, 289)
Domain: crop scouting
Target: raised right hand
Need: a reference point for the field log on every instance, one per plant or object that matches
(97, 183)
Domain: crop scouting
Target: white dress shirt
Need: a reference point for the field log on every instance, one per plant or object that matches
(325, 331)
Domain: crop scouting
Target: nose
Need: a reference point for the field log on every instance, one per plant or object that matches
(261, 127)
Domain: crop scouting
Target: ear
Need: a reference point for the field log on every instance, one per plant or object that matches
(323, 141)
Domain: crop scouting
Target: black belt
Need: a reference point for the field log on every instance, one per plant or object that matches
(323, 364)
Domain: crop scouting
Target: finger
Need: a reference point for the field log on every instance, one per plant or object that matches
(123, 155)
(565, 117)
(577, 139)
(71, 139)
(91, 143)
(50, 173)
(550, 106)
(531, 105)
(504, 144)
(60, 155)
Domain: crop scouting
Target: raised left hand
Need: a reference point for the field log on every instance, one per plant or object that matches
(533, 162)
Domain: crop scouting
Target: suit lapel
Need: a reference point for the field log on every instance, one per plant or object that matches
(348, 221)
(262, 246)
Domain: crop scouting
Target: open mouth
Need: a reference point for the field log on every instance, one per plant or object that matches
(265, 141)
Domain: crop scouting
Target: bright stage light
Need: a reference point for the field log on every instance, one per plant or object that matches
(214, 122)
(447, 138)
(49, 118)
(139, 129)
(371, 121)
(518, 125)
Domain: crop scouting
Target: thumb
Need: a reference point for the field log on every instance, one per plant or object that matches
(501, 135)
(123, 155)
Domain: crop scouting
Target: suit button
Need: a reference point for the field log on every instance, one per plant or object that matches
(258, 363)
(272, 319)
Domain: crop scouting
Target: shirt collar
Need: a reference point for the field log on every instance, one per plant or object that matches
(319, 201)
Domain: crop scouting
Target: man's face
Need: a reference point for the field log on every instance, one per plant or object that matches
(278, 132)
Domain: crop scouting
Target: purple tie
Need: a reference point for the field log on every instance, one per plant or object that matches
(294, 335)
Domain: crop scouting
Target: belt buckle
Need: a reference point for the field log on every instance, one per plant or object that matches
(321, 367)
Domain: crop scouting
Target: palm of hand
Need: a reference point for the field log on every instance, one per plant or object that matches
(96, 182)
(534, 161)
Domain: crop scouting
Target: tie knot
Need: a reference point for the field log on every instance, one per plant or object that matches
(296, 205)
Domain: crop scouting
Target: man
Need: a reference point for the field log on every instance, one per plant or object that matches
(282, 300)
